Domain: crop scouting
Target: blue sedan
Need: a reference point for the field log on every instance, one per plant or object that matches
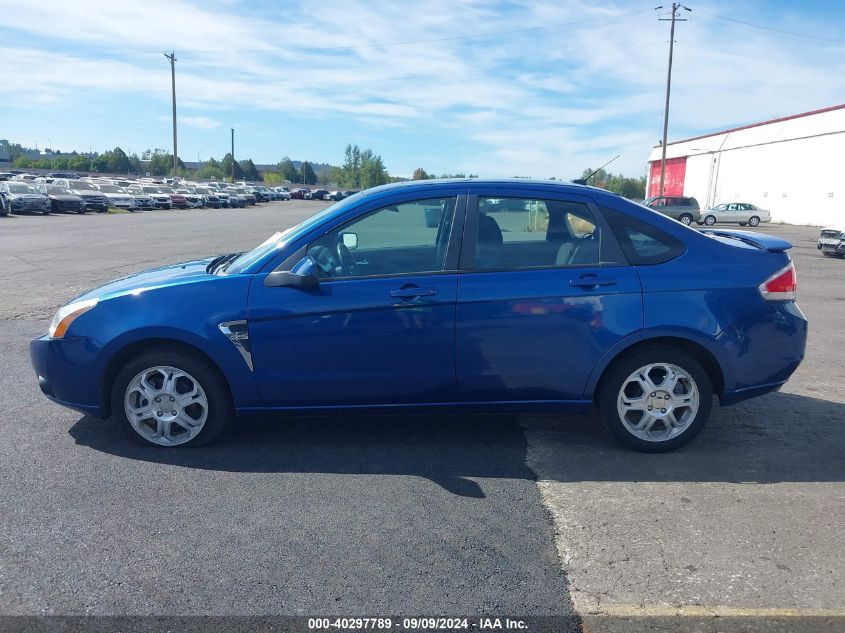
(497, 295)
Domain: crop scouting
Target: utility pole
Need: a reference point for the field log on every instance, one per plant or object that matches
(674, 18)
(172, 58)
(233, 155)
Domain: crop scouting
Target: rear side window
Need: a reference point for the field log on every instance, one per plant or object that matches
(642, 243)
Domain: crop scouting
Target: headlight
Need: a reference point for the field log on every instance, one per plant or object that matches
(67, 315)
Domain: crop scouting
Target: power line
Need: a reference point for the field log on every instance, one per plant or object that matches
(772, 29)
(764, 59)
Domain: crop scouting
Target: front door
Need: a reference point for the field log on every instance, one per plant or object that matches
(544, 299)
(379, 327)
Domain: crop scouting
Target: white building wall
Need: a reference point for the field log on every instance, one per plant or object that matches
(794, 168)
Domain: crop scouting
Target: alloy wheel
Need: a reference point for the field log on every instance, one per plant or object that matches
(658, 402)
(166, 406)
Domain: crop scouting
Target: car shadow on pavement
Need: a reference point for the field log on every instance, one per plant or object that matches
(778, 438)
(449, 450)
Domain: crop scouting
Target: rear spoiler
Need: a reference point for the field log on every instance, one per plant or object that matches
(757, 240)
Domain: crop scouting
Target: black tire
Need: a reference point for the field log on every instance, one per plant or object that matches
(743, 223)
(685, 218)
(710, 220)
(614, 380)
(220, 408)
(753, 221)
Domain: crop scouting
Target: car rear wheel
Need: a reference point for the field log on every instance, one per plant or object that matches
(710, 220)
(171, 399)
(754, 221)
(655, 400)
(686, 218)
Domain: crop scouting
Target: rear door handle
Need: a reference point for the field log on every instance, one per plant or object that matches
(591, 282)
(409, 293)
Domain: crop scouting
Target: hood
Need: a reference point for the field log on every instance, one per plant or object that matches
(30, 196)
(835, 227)
(175, 274)
(66, 197)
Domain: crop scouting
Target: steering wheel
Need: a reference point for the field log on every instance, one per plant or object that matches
(347, 262)
(327, 261)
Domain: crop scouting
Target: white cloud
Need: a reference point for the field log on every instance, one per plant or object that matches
(201, 122)
(576, 83)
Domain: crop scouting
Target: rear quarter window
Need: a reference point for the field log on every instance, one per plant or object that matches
(642, 243)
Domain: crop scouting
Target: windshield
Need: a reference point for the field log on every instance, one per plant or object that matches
(166, 190)
(280, 238)
(111, 189)
(57, 191)
(21, 189)
(150, 189)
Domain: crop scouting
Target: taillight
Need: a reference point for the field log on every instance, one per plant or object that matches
(781, 286)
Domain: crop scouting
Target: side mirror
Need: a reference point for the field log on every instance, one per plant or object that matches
(304, 274)
(350, 240)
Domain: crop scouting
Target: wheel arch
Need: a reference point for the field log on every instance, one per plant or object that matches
(707, 359)
(134, 348)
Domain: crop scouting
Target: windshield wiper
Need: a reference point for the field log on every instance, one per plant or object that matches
(220, 260)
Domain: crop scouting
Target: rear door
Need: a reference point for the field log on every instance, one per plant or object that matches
(543, 292)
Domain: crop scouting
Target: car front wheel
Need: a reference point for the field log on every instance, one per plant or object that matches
(655, 400)
(686, 218)
(710, 220)
(754, 221)
(171, 399)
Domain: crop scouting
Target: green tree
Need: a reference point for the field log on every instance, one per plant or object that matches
(249, 170)
(361, 169)
(228, 163)
(161, 164)
(272, 177)
(62, 163)
(80, 163)
(307, 173)
(288, 171)
(135, 164)
(210, 170)
(118, 161)
(632, 188)
(419, 174)
(100, 163)
(22, 162)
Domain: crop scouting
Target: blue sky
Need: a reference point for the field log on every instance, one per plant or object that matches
(540, 89)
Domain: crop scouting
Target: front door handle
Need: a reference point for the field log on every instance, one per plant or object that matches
(591, 281)
(410, 293)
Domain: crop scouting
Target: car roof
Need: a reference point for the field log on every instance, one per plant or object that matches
(553, 185)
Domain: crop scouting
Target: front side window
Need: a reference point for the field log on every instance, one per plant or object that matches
(518, 233)
(405, 238)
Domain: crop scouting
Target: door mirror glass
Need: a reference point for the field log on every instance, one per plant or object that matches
(350, 240)
(304, 274)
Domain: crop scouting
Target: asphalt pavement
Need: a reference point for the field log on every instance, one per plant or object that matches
(414, 515)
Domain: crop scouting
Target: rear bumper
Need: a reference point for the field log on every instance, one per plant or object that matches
(67, 372)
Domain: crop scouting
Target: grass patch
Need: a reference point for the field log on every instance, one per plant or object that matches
(116, 210)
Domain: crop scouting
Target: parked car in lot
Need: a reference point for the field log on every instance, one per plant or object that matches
(299, 194)
(62, 200)
(95, 200)
(162, 199)
(832, 241)
(176, 199)
(236, 200)
(571, 299)
(246, 195)
(195, 200)
(142, 199)
(742, 213)
(209, 196)
(117, 196)
(282, 193)
(316, 194)
(22, 197)
(683, 209)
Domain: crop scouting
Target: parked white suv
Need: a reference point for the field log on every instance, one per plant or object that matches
(832, 241)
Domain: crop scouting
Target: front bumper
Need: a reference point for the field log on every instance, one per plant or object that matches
(830, 247)
(67, 372)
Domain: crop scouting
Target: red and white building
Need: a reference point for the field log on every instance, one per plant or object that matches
(793, 166)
